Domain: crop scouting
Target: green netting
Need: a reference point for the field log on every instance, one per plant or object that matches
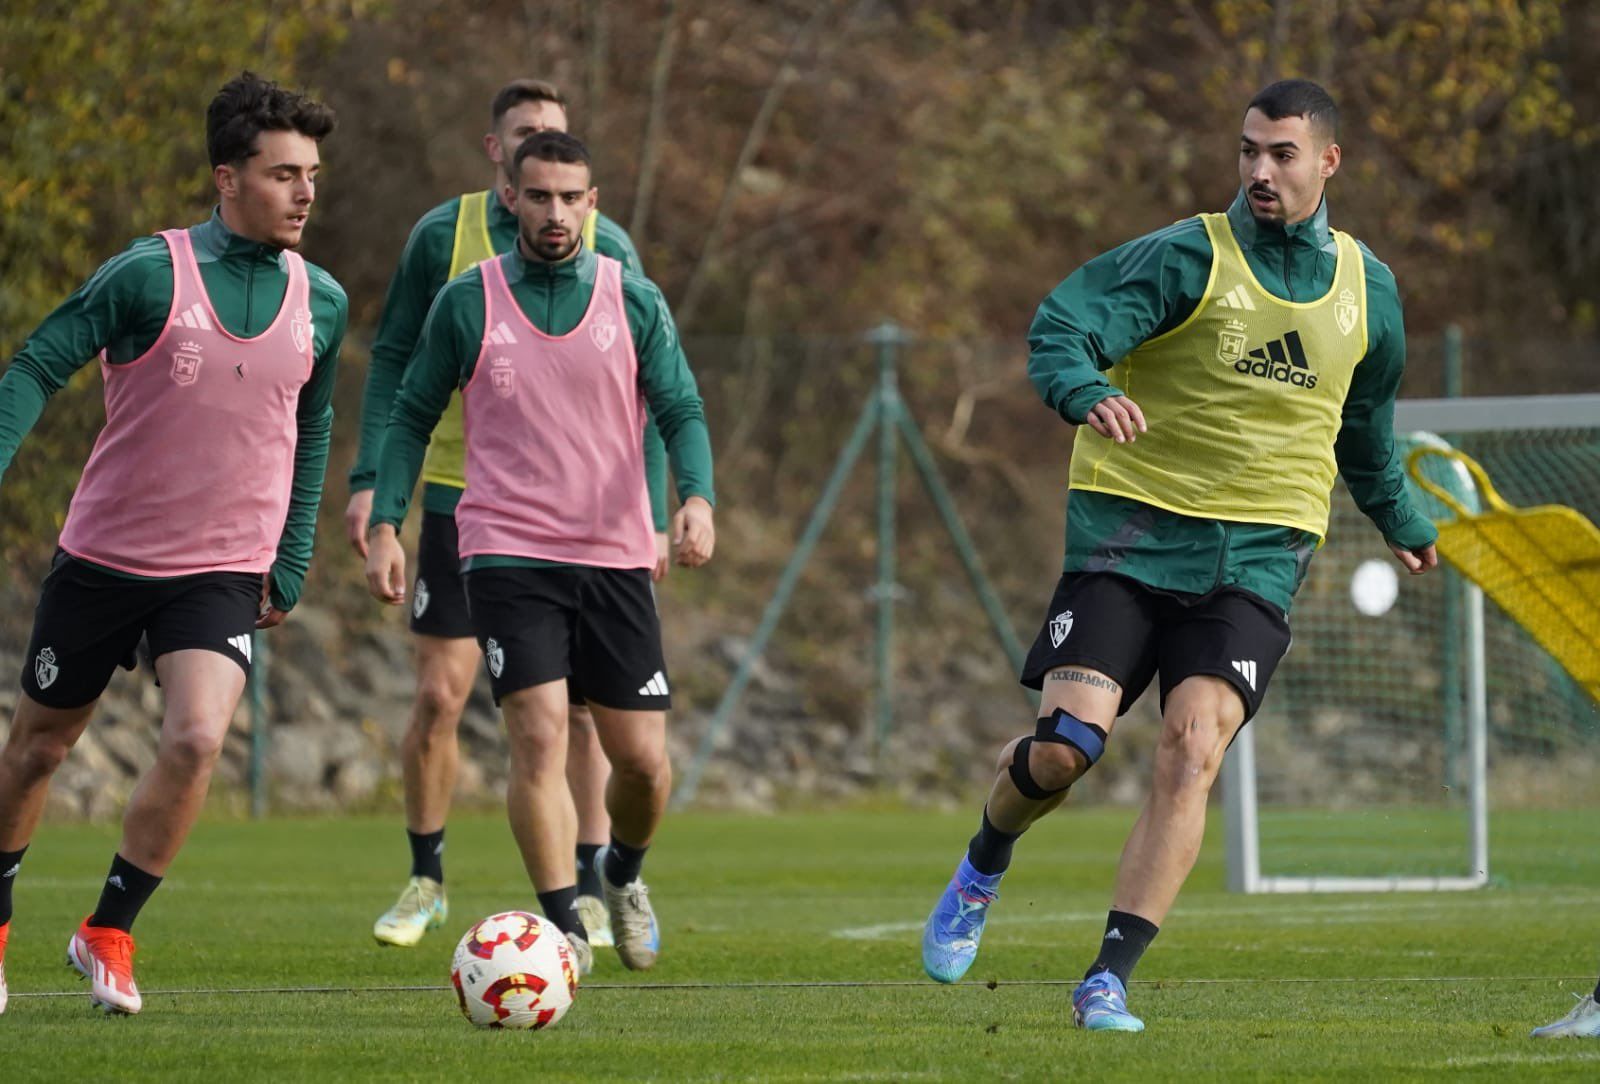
(1365, 719)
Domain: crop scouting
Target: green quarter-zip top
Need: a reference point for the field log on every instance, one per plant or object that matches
(1151, 287)
(554, 298)
(424, 268)
(122, 310)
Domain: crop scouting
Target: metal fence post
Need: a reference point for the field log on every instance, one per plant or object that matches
(888, 338)
(259, 725)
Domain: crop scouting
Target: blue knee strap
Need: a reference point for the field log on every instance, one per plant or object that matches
(1064, 727)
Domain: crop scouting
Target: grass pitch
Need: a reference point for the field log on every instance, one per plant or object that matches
(790, 953)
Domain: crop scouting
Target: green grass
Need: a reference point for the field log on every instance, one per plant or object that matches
(1340, 987)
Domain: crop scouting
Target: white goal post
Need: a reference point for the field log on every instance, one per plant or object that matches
(1242, 813)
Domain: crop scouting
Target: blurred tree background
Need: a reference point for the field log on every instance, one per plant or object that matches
(794, 172)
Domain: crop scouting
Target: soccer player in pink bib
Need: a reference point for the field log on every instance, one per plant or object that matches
(193, 522)
(557, 351)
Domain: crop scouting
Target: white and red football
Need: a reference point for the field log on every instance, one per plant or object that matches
(514, 970)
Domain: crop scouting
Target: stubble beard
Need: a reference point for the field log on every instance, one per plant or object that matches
(548, 251)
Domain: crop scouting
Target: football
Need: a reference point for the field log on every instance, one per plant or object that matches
(514, 970)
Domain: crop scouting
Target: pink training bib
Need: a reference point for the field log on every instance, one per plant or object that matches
(554, 430)
(192, 471)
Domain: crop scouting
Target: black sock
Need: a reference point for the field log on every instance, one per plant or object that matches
(10, 865)
(1127, 936)
(128, 888)
(561, 907)
(622, 862)
(427, 854)
(990, 850)
(588, 876)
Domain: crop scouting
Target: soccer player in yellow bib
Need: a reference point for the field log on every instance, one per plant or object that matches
(450, 239)
(1222, 370)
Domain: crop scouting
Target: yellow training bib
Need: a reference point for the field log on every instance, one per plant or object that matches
(445, 464)
(1243, 399)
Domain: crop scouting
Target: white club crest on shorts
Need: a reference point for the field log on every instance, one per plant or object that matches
(186, 364)
(45, 668)
(419, 602)
(501, 376)
(496, 656)
(603, 330)
(1060, 625)
(300, 329)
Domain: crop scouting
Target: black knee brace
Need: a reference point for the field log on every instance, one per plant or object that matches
(1062, 728)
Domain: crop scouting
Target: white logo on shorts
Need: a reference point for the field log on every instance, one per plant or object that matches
(419, 604)
(45, 669)
(496, 656)
(1060, 625)
(241, 644)
(656, 686)
(1247, 670)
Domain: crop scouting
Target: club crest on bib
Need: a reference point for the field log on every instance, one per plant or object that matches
(300, 329)
(496, 655)
(1060, 626)
(1346, 312)
(186, 364)
(603, 330)
(45, 668)
(1230, 342)
(502, 377)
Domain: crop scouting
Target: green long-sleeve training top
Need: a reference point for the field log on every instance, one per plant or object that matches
(1151, 285)
(423, 270)
(554, 298)
(122, 310)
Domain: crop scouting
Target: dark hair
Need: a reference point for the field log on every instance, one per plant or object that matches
(549, 146)
(523, 90)
(249, 105)
(1299, 98)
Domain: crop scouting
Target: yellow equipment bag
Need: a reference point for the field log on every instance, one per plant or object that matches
(1540, 565)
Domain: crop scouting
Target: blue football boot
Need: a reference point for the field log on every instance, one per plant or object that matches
(1100, 1003)
(950, 939)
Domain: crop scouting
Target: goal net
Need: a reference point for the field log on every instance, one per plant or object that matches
(1408, 707)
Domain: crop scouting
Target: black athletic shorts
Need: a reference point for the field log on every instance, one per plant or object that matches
(439, 596)
(89, 621)
(1130, 632)
(595, 626)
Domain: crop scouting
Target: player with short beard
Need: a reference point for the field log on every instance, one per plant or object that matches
(448, 240)
(557, 351)
(193, 522)
(1252, 355)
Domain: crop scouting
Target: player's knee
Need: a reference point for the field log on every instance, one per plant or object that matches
(642, 768)
(193, 744)
(1056, 755)
(440, 702)
(38, 755)
(1008, 754)
(1055, 767)
(1190, 750)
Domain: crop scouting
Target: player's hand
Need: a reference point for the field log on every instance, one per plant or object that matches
(1118, 418)
(268, 616)
(693, 532)
(663, 557)
(386, 565)
(356, 515)
(1417, 561)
